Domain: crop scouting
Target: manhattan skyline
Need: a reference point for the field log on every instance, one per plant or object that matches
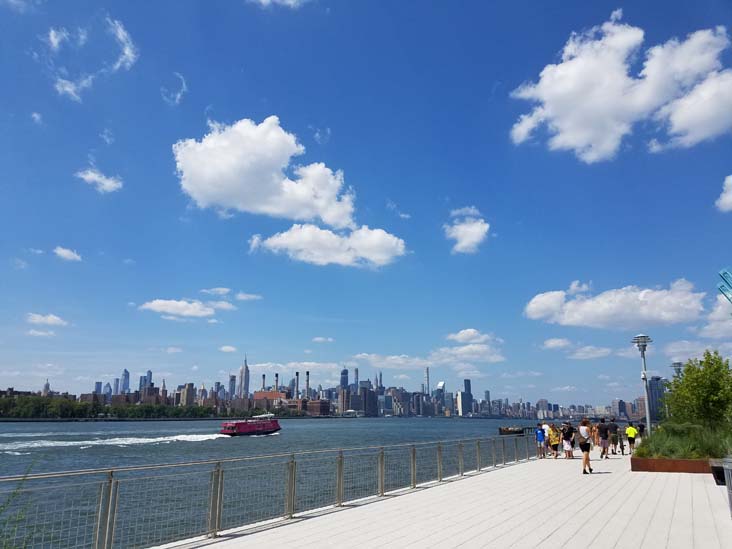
(501, 193)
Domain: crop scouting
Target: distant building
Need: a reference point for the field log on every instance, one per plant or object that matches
(125, 381)
(188, 395)
(232, 386)
(319, 407)
(46, 389)
(464, 403)
(97, 387)
(656, 392)
(115, 387)
(344, 379)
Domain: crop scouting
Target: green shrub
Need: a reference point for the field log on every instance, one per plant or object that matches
(685, 441)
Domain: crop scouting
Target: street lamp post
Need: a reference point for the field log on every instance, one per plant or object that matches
(641, 341)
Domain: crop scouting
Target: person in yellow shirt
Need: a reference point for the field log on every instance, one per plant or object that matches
(631, 432)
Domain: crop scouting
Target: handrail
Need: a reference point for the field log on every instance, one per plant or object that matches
(112, 470)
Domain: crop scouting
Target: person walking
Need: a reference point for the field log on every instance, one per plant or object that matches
(584, 437)
(613, 435)
(540, 441)
(603, 432)
(631, 432)
(568, 440)
(555, 437)
(641, 430)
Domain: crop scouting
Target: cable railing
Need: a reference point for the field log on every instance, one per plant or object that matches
(150, 505)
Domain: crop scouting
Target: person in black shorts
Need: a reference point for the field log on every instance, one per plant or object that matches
(613, 427)
(603, 430)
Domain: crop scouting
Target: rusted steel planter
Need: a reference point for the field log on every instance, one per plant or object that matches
(669, 465)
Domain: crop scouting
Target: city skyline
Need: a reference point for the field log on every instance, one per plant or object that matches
(426, 203)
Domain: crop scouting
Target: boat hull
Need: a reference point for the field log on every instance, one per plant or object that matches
(250, 427)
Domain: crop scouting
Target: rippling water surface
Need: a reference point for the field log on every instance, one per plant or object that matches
(43, 447)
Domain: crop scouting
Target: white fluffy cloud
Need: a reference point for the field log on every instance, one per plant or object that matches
(45, 320)
(37, 118)
(719, 321)
(626, 307)
(243, 167)
(102, 183)
(222, 305)
(683, 350)
(227, 349)
(179, 308)
(724, 202)
(321, 339)
(588, 352)
(467, 229)
(556, 343)
(293, 4)
(311, 244)
(66, 254)
(590, 100)
(243, 296)
(173, 350)
(469, 335)
(564, 389)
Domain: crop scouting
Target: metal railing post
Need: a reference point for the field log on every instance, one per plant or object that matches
(381, 472)
(493, 451)
(503, 450)
(439, 462)
(215, 501)
(339, 479)
(461, 463)
(515, 450)
(107, 498)
(528, 452)
(413, 465)
(477, 456)
(290, 495)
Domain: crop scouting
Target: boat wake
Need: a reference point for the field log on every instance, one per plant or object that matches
(267, 435)
(117, 441)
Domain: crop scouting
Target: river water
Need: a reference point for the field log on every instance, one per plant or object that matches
(48, 446)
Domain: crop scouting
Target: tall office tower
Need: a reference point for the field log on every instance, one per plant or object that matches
(468, 394)
(97, 387)
(125, 381)
(467, 386)
(344, 378)
(307, 384)
(107, 392)
(263, 382)
(164, 393)
(188, 395)
(143, 383)
(656, 391)
(355, 378)
(240, 389)
(246, 379)
(115, 390)
(427, 380)
(487, 396)
(46, 388)
(277, 382)
(149, 379)
(381, 381)
(232, 386)
(297, 385)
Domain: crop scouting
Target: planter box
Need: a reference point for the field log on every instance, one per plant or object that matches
(668, 465)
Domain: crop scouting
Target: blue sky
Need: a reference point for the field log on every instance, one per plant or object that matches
(506, 192)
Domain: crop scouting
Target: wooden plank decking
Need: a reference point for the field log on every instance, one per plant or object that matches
(544, 503)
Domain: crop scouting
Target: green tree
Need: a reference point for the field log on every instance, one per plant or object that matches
(702, 393)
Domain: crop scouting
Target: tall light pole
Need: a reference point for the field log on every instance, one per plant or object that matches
(641, 341)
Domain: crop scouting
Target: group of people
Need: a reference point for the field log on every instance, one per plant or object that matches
(606, 436)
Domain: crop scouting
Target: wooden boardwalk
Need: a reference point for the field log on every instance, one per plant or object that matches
(544, 503)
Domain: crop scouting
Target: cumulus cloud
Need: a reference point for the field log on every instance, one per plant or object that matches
(556, 343)
(102, 183)
(683, 350)
(227, 349)
(392, 206)
(311, 244)
(243, 296)
(174, 98)
(588, 352)
(563, 389)
(46, 320)
(627, 307)
(66, 254)
(590, 100)
(724, 202)
(469, 335)
(222, 305)
(293, 4)
(467, 229)
(521, 373)
(719, 321)
(321, 339)
(242, 167)
(37, 118)
(179, 308)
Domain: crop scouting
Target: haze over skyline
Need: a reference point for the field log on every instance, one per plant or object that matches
(506, 193)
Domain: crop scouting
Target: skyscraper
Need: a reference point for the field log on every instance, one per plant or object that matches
(244, 380)
(656, 390)
(148, 381)
(344, 378)
(125, 381)
(46, 388)
(115, 390)
(427, 380)
(355, 378)
(488, 396)
(97, 387)
(232, 386)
